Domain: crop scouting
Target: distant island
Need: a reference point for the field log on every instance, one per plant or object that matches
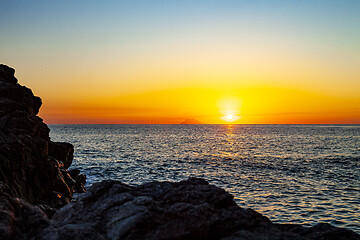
(191, 121)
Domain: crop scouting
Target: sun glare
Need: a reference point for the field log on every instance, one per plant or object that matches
(230, 109)
(230, 117)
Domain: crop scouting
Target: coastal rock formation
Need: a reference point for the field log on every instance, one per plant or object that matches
(20, 219)
(190, 209)
(36, 189)
(32, 167)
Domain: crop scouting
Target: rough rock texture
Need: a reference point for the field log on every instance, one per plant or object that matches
(20, 219)
(190, 209)
(32, 167)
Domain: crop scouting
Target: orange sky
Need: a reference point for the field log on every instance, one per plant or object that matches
(255, 105)
(284, 62)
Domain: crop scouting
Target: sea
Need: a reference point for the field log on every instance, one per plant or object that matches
(299, 174)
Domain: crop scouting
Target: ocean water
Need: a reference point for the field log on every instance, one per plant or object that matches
(290, 173)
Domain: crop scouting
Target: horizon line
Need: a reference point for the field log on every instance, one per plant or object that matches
(203, 124)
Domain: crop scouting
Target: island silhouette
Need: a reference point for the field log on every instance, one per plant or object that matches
(191, 121)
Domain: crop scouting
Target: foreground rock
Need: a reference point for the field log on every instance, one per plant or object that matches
(190, 209)
(32, 168)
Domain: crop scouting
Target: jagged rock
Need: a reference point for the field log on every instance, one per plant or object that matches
(7, 74)
(62, 151)
(19, 219)
(31, 165)
(190, 209)
(80, 180)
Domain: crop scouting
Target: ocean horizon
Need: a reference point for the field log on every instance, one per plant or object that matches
(292, 173)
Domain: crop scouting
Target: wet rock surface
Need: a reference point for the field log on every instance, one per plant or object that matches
(36, 193)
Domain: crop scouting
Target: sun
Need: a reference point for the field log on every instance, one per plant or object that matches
(229, 109)
(230, 117)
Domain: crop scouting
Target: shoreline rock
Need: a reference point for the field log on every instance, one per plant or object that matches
(190, 209)
(32, 167)
(36, 193)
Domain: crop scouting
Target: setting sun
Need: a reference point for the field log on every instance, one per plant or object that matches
(230, 117)
(126, 65)
(229, 108)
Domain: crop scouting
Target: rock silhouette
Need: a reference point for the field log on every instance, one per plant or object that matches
(191, 121)
(32, 167)
(36, 193)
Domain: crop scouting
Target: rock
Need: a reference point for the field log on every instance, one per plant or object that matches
(7, 74)
(19, 219)
(80, 180)
(327, 231)
(32, 167)
(62, 151)
(190, 209)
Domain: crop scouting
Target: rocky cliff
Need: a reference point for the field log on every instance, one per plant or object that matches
(32, 167)
(35, 182)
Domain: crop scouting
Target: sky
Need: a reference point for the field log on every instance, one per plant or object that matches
(218, 62)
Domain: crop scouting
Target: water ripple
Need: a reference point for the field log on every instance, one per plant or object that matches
(291, 173)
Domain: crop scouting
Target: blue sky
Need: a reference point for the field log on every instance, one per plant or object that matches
(144, 46)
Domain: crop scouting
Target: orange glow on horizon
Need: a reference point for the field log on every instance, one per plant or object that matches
(149, 62)
(258, 105)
